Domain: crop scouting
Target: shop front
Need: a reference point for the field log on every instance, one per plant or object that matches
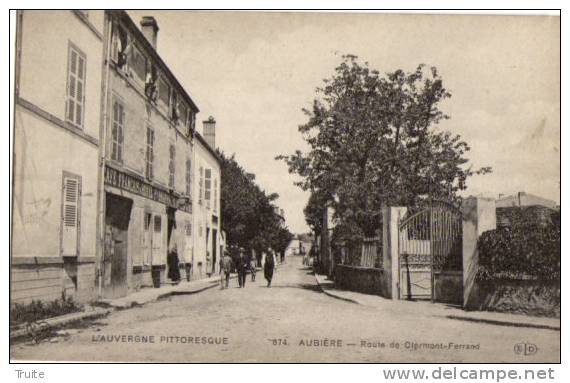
(141, 218)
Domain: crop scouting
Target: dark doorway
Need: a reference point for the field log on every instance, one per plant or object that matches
(115, 257)
(173, 263)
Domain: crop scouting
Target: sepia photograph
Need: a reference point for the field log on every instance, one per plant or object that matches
(192, 186)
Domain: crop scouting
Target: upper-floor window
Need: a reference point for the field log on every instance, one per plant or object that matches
(75, 87)
(183, 118)
(191, 122)
(208, 188)
(201, 186)
(171, 166)
(149, 152)
(188, 177)
(137, 63)
(215, 194)
(163, 93)
(117, 131)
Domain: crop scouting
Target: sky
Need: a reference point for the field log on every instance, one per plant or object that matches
(255, 71)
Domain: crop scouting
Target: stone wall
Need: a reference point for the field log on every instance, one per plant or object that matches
(362, 279)
(529, 297)
(448, 287)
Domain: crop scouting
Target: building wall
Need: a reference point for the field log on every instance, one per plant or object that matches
(201, 213)
(45, 147)
(141, 114)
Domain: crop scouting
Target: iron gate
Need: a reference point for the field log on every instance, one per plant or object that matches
(429, 241)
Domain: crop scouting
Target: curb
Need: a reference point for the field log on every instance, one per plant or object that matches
(504, 323)
(134, 303)
(332, 295)
(25, 329)
(496, 322)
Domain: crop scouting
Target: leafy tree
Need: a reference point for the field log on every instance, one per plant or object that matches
(249, 215)
(314, 211)
(373, 141)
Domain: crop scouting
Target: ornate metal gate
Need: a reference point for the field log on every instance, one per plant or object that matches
(429, 241)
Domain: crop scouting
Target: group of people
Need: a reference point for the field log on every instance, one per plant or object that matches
(242, 266)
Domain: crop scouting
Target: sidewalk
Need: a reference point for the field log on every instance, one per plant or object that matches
(150, 294)
(438, 310)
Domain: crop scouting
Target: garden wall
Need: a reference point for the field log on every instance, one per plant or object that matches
(448, 287)
(362, 279)
(531, 297)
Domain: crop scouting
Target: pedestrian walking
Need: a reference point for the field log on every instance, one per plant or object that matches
(268, 268)
(252, 268)
(242, 269)
(225, 270)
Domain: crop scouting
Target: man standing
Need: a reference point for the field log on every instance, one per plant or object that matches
(225, 270)
(241, 268)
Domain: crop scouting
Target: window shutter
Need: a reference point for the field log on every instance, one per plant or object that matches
(75, 88)
(208, 191)
(157, 232)
(70, 219)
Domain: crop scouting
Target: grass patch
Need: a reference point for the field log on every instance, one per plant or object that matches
(38, 310)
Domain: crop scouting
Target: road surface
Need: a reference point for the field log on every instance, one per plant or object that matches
(293, 321)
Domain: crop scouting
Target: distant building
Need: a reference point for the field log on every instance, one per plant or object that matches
(206, 216)
(525, 199)
(535, 209)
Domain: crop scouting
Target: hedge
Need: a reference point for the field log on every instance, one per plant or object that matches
(525, 250)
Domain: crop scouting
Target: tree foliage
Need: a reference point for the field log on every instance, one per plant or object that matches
(249, 216)
(374, 140)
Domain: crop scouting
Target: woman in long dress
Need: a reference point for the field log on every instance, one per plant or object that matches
(268, 268)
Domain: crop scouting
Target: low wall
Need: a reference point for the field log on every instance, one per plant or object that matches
(529, 297)
(51, 281)
(448, 287)
(362, 279)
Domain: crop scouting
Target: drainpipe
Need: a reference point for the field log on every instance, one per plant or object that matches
(100, 232)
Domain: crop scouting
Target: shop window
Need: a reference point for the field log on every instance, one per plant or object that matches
(157, 237)
(147, 238)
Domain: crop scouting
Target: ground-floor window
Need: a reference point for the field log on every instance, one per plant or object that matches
(70, 214)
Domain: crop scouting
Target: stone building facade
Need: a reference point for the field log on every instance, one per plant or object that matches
(108, 165)
(56, 142)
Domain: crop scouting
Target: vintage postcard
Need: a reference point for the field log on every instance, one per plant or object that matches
(247, 186)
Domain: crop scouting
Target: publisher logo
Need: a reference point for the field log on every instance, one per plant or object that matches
(525, 348)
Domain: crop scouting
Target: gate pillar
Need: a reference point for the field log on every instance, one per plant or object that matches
(478, 216)
(391, 218)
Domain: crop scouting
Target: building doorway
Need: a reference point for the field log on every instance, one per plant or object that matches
(173, 260)
(115, 256)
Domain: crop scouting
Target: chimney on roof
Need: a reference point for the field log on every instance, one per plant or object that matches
(210, 131)
(149, 28)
